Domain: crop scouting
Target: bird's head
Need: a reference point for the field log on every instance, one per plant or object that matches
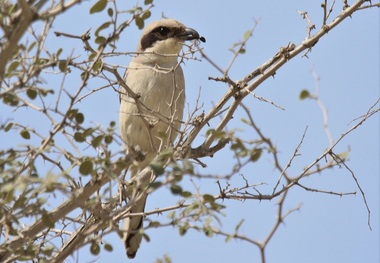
(166, 37)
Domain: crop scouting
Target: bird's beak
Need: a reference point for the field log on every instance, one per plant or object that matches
(190, 34)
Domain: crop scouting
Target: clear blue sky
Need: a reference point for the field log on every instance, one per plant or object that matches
(327, 228)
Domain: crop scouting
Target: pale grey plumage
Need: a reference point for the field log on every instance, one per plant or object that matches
(151, 123)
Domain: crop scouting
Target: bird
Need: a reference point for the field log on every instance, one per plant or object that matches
(151, 107)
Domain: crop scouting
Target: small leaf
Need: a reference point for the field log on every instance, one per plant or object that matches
(139, 22)
(47, 220)
(146, 15)
(10, 99)
(100, 40)
(32, 93)
(79, 118)
(186, 194)
(25, 134)
(95, 248)
(108, 247)
(32, 46)
(84, 75)
(59, 52)
(176, 189)
(9, 197)
(104, 26)
(242, 51)
(96, 141)
(110, 12)
(79, 137)
(155, 185)
(88, 132)
(8, 127)
(208, 232)
(86, 167)
(45, 92)
(108, 139)
(208, 198)
(98, 6)
(304, 94)
(228, 238)
(62, 65)
(247, 35)
(255, 154)
(72, 113)
(12, 67)
(239, 225)
(154, 224)
(97, 67)
(157, 168)
(92, 56)
(148, 2)
(182, 230)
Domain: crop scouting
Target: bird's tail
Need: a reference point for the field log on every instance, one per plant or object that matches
(133, 225)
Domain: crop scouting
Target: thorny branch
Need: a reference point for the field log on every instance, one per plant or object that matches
(238, 90)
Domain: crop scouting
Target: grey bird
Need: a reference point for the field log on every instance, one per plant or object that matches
(151, 122)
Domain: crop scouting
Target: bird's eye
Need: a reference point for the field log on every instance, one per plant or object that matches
(163, 31)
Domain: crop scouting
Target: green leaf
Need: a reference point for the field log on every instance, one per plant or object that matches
(45, 92)
(25, 134)
(79, 137)
(255, 154)
(79, 118)
(47, 220)
(228, 238)
(98, 6)
(154, 224)
(108, 247)
(8, 127)
(182, 230)
(100, 40)
(92, 56)
(72, 113)
(157, 168)
(97, 67)
(12, 67)
(208, 232)
(146, 15)
(155, 185)
(176, 189)
(10, 99)
(9, 197)
(59, 52)
(32, 46)
(139, 22)
(108, 139)
(186, 194)
(148, 2)
(110, 12)
(95, 248)
(32, 93)
(247, 35)
(48, 250)
(208, 198)
(86, 167)
(62, 65)
(97, 141)
(304, 94)
(104, 26)
(239, 225)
